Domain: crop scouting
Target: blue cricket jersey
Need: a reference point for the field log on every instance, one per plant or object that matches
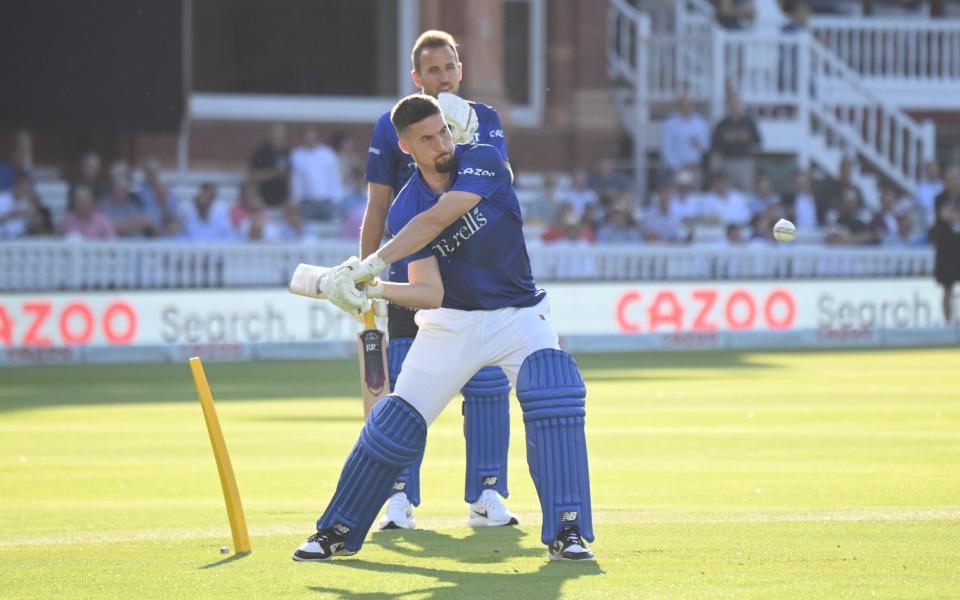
(388, 165)
(482, 255)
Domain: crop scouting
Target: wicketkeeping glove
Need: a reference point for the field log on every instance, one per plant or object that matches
(460, 116)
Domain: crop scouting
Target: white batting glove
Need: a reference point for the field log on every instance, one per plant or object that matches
(364, 271)
(338, 287)
(460, 116)
(374, 289)
(306, 280)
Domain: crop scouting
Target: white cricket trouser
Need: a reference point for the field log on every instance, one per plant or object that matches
(452, 345)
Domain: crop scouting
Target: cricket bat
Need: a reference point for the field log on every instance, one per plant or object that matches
(374, 384)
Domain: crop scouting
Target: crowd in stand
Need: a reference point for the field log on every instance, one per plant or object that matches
(709, 181)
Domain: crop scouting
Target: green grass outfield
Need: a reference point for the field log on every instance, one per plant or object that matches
(715, 475)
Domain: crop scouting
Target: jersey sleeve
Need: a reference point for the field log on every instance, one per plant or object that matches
(493, 133)
(481, 171)
(382, 153)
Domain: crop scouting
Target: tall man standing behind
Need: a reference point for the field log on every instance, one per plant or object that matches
(437, 70)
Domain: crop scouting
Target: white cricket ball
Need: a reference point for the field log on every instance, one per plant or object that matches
(224, 550)
(784, 231)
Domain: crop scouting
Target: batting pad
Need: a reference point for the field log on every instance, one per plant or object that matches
(486, 419)
(393, 435)
(409, 480)
(553, 398)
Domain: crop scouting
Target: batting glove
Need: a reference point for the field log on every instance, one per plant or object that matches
(338, 287)
(306, 280)
(364, 271)
(460, 116)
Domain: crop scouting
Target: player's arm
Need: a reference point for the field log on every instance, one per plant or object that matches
(425, 227)
(379, 198)
(424, 290)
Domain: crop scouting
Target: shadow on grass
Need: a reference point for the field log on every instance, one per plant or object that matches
(77, 385)
(493, 547)
(223, 561)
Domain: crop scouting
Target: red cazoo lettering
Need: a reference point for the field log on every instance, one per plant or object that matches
(42, 324)
(694, 311)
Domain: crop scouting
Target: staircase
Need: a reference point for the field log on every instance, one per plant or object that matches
(807, 100)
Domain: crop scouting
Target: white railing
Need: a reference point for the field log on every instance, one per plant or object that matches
(41, 265)
(914, 49)
(817, 88)
(781, 77)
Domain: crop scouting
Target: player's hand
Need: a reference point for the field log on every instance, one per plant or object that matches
(338, 287)
(460, 116)
(364, 271)
(374, 289)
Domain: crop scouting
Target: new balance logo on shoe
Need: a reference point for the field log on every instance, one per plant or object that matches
(341, 528)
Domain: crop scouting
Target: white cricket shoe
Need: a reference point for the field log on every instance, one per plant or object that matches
(489, 511)
(399, 513)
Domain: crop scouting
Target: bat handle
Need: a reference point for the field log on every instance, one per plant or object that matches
(369, 320)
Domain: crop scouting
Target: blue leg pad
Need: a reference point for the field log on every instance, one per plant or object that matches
(409, 480)
(393, 436)
(486, 427)
(553, 398)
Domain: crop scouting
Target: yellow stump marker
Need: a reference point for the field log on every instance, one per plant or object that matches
(231, 495)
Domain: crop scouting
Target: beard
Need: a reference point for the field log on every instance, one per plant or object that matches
(444, 164)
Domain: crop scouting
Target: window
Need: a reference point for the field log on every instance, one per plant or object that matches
(299, 59)
(524, 50)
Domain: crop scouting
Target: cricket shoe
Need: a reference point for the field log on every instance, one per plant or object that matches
(324, 545)
(570, 545)
(399, 513)
(489, 511)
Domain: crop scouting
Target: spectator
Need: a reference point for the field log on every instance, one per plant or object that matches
(91, 177)
(291, 228)
(661, 223)
(150, 193)
(352, 164)
(849, 228)
(22, 211)
(606, 181)
(208, 221)
(734, 140)
(735, 14)
(18, 166)
(927, 191)
(685, 204)
(884, 221)
(164, 211)
(945, 236)
(907, 235)
(270, 167)
(763, 195)
(84, 219)
(124, 208)
(568, 227)
(618, 225)
(354, 205)
(316, 183)
(832, 191)
(799, 19)
(543, 209)
(579, 195)
(591, 218)
(732, 237)
(723, 204)
(799, 205)
(684, 138)
(248, 215)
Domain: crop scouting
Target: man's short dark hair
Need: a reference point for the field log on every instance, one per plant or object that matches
(413, 109)
(432, 39)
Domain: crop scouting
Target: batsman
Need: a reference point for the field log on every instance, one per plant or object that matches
(458, 223)
(437, 71)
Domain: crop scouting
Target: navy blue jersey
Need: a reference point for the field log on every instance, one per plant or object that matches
(482, 255)
(388, 165)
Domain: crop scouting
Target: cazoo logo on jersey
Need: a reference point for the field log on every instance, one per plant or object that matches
(476, 171)
(469, 224)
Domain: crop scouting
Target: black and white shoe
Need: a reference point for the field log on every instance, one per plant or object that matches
(570, 545)
(324, 545)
